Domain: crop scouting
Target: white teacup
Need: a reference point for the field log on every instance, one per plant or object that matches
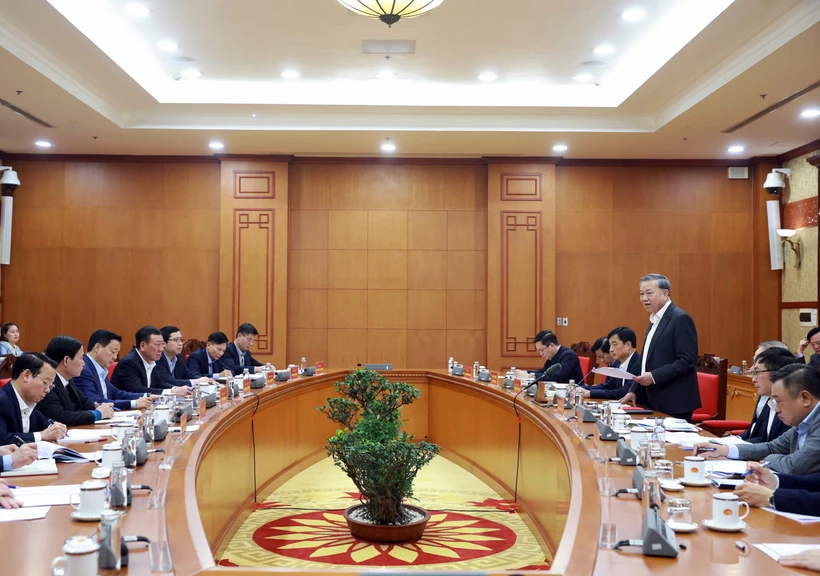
(118, 432)
(637, 436)
(694, 469)
(621, 421)
(726, 510)
(90, 499)
(162, 414)
(110, 453)
(79, 558)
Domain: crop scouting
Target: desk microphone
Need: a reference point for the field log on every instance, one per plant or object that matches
(547, 373)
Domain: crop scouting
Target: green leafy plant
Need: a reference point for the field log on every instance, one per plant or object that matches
(380, 458)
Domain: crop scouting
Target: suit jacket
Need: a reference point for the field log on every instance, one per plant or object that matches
(89, 384)
(782, 453)
(616, 388)
(230, 360)
(813, 361)
(11, 419)
(757, 433)
(68, 405)
(180, 377)
(798, 494)
(673, 354)
(570, 367)
(197, 364)
(130, 375)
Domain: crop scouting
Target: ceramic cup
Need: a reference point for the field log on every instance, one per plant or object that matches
(79, 558)
(621, 421)
(110, 453)
(90, 501)
(118, 432)
(162, 414)
(694, 469)
(726, 510)
(638, 437)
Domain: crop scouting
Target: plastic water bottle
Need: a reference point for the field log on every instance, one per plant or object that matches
(450, 363)
(303, 366)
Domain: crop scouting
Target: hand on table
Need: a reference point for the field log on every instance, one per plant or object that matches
(714, 451)
(54, 432)
(204, 380)
(144, 402)
(226, 374)
(7, 499)
(106, 410)
(809, 559)
(630, 399)
(181, 391)
(754, 494)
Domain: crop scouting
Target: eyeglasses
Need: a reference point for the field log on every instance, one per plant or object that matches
(755, 372)
(179, 339)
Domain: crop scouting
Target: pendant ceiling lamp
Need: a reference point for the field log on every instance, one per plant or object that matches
(390, 11)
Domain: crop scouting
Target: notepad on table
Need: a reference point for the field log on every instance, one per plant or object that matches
(802, 518)
(36, 468)
(77, 435)
(34, 496)
(24, 513)
(778, 550)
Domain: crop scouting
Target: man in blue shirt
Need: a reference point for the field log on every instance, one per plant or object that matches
(796, 394)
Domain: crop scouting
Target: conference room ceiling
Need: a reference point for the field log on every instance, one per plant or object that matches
(688, 70)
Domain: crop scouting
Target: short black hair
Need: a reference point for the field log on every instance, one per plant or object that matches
(550, 338)
(144, 335)
(246, 329)
(61, 346)
(32, 361)
(624, 334)
(794, 377)
(166, 331)
(776, 358)
(599, 343)
(540, 336)
(811, 333)
(4, 330)
(218, 338)
(103, 338)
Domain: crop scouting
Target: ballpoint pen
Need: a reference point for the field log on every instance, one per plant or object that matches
(763, 465)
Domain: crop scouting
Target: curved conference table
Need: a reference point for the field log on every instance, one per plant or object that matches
(210, 485)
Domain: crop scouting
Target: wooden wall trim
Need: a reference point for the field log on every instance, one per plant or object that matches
(653, 162)
(793, 305)
(253, 157)
(522, 159)
(380, 160)
(799, 151)
(814, 160)
(110, 158)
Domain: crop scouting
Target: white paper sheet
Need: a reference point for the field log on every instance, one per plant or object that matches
(728, 441)
(728, 467)
(614, 372)
(802, 518)
(36, 500)
(36, 468)
(191, 428)
(778, 550)
(78, 435)
(23, 514)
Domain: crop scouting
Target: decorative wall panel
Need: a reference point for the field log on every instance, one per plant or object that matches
(520, 276)
(253, 257)
(521, 187)
(253, 185)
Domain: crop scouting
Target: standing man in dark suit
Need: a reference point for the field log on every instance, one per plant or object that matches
(237, 356)
(65, 403)
(207, 361)
(32, 377)
(622, 342)
(670, 351)
(103, 348)
(812, 339)
(171, 366)
(766, 426)
(136, 372)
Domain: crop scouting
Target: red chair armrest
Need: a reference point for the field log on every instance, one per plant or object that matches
(738, 432)
(726, 424)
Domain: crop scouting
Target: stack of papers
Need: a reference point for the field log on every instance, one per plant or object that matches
(76, 436)
(778, 550)
(62, 454)
(728, 468)
(190, 428)
(728, 441)
(24, 514)
(121, 416)
(36, 468)
(614, 372)
(685, 439)
(46, 495)
(802, 518)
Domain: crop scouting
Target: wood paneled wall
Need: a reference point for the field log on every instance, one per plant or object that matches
(693, 225)
(113, 245)
(387, 264)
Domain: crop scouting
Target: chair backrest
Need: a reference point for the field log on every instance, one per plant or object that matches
(192, 346)
(111, 369)
(586, 357)
(4, 381)
(712, 380)
(6, 364)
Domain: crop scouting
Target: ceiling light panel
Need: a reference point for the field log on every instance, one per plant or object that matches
(538, 69)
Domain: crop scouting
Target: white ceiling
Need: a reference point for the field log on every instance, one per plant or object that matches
(675, 80)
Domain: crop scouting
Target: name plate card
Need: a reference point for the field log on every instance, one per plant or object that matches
(294, 372)
(468, 372)
(320, 367)
(495, 378)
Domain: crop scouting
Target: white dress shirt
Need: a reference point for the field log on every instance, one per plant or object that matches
(149, 368)
(25, 410)
(624, 365)
(655, 319)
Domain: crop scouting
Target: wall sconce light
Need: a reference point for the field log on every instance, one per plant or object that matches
(797, 245)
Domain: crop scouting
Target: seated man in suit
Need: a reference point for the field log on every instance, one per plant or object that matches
(812, 339)
(32, 377)
(171, 366)
(602, 352)
(237, 356)
(766, 426)
(207, 361)
(622, 342)
(66, 403)
(551, 351)
(136, 372)
(796, 392)
(103, 347)
(784, 492)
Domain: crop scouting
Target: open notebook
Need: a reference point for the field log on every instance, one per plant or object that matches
(63, 454)
(36, 468)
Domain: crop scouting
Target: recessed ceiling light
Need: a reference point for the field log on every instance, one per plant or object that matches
(736, 149)
(43, 144)
(582, 77)
(488, 76)
(191, 73)
(290, 75)
(810, 113)
(386, 75)
(388, 146)
(253, 115)
(138, 10)
(560, 148)
(633, 15)
(216, 145)
(167, 45)
(604, 50)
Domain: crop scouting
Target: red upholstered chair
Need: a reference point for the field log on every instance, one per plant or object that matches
(4, 381)
(6, 364)
(111, 369)
(191, 346)
(712, 378)
(587, 359)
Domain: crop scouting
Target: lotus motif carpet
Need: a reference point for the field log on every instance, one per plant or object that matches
(301, 525)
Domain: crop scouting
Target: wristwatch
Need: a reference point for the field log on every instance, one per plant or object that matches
(771, 502)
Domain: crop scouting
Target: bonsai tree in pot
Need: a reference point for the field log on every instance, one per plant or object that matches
(380, 458)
